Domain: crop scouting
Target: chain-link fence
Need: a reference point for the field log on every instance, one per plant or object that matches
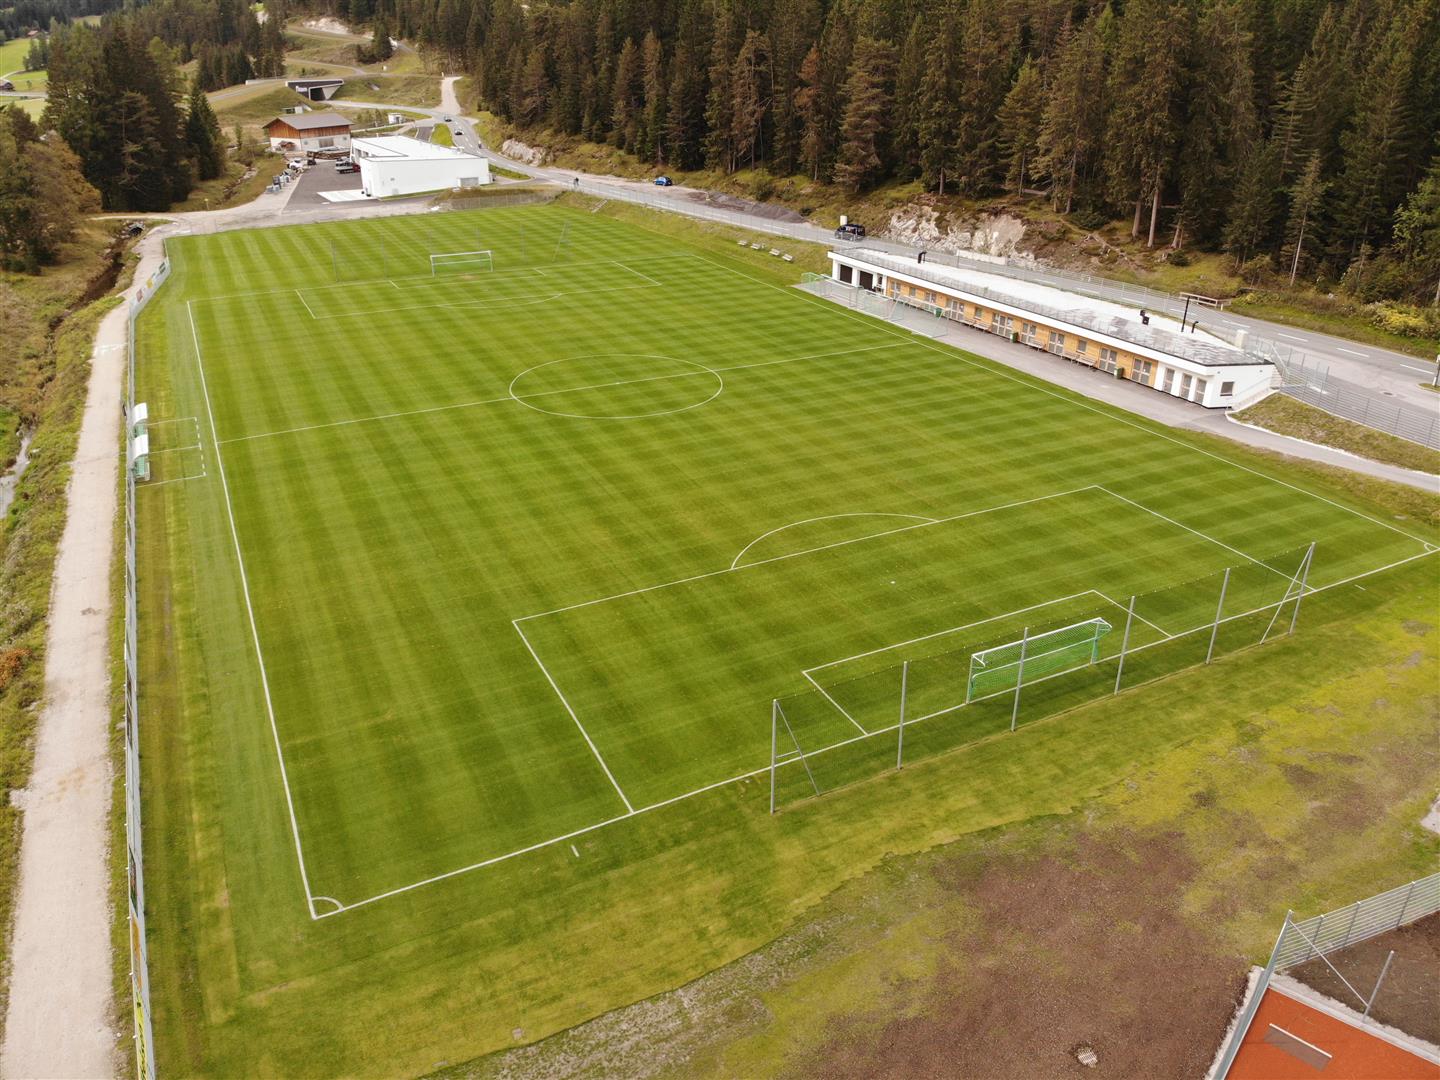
(957, 686)
(1321, 937)
(144, 1034)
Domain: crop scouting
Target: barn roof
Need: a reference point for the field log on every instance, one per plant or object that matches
(309, 121)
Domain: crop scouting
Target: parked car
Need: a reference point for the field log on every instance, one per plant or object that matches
(346, 167)
(663, 181)
(850, 231)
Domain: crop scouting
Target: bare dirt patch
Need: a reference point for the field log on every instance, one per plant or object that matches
(1409, 998)
(1078, 946)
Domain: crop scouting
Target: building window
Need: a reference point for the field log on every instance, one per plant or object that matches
(1227, 389)
(1185, 381)
(1108, 359)
(847, 273)
(1029, 333)
(1057, 343)
(1003, 325)
(327, 142)
(1200, 387)
(1143, 370)
(1082, 347)
(929, 296)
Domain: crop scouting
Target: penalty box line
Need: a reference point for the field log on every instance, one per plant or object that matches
(738, 778)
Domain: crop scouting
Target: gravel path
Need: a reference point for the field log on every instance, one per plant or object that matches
(61, 1018)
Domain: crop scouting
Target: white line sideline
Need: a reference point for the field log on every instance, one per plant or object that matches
(250, 612)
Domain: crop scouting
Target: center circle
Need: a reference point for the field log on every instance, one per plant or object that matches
(616, 386)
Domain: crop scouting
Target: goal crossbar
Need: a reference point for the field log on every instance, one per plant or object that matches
(1000, 667)
(480, 259)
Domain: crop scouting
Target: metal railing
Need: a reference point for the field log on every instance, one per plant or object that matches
(1316, 386)
(144, 1034)
(1325, 934)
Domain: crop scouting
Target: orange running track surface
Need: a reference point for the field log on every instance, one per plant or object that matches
(1355, 1054)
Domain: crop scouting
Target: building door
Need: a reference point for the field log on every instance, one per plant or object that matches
(867, 279)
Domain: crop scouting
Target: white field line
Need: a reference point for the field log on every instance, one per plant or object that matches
(250, 612)
(948, 630)
(956, 354)
(797, 554)
(826, 695)
(547, 393)
(1197, 532)
(172, 480)
(301, 296)
(564, 701)
(765, 769)
(824, 517)
(425, 282)
(174, 449)
(1159, 629)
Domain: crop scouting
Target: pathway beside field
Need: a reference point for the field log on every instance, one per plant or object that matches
(61, 1017)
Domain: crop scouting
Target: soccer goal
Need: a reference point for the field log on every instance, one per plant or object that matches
(463, 262)
(1002, 667)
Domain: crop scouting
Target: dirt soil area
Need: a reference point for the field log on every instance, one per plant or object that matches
(1409, 999)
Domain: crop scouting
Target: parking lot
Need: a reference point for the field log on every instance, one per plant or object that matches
(314, 180)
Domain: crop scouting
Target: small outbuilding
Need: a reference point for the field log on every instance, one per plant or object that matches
(393, 165)
(310, 133)
(315, 89)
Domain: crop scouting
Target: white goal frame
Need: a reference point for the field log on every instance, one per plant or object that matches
(1036, 648)
(485, 256)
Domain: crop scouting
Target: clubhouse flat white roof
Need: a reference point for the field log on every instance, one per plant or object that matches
(1103, 316)
(403, 148)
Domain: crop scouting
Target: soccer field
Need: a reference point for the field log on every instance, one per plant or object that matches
(505, 550)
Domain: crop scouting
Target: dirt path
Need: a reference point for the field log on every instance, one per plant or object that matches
(61, 1016)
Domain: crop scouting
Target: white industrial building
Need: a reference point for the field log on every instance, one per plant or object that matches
(399, 165)
(1192, 363)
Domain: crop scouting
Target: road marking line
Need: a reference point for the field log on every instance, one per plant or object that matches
(1352, 352)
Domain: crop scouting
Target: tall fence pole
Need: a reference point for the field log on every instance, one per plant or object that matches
(1376, 992)
(1019, 678)
(1219, 611)
(1304, 577)
(774, 744)
(904, 686)
(1124, 643)
(1242, 1025)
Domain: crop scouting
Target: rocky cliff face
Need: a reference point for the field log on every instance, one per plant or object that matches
(996, 235)
(523, 152)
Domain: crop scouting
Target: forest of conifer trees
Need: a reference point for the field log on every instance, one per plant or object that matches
(1290, 130)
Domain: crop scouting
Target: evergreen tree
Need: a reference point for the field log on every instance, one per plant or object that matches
(814, 142)
(1252, 210)
(909, 99)
(629, 97)
(205, 143)
(1073, 124)
(652, 60)
(868, 100)
(1021, 115)
(750, 83)
(1305, 198)
(1417, 230)
(938, 111)
(720, 104)
(985, 65)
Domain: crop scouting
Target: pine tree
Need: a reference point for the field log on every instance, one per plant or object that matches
(203, 139)
(750, 83)
(1021, 115)
(720, 103)
(909, 101)
(628, 90)
(939, 112)
(868, 100)
(985, 65)
(1072, 127)
(1305, 196)
(1417, 229)
(813, 135)
(652, 59)
(685, 110)
(1251, 216)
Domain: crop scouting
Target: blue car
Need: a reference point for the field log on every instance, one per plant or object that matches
(663, 181)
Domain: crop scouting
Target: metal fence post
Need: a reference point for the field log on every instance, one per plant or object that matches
(774, 729)
(1242, 1026)
(1349, 929)
(1124, 643)
(1400, 919)
(1019, 678)
(1376, 992)
(1304, 577)
(1219, 609)
(904, 686)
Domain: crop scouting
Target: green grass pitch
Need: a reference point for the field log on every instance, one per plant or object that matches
(471, 563)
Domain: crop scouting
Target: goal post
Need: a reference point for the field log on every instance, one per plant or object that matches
(464, 262)
(1002, 668)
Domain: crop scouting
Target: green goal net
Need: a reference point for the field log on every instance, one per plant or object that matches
(1003, 667)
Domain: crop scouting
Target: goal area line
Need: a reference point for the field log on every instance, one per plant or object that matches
(764, 770)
